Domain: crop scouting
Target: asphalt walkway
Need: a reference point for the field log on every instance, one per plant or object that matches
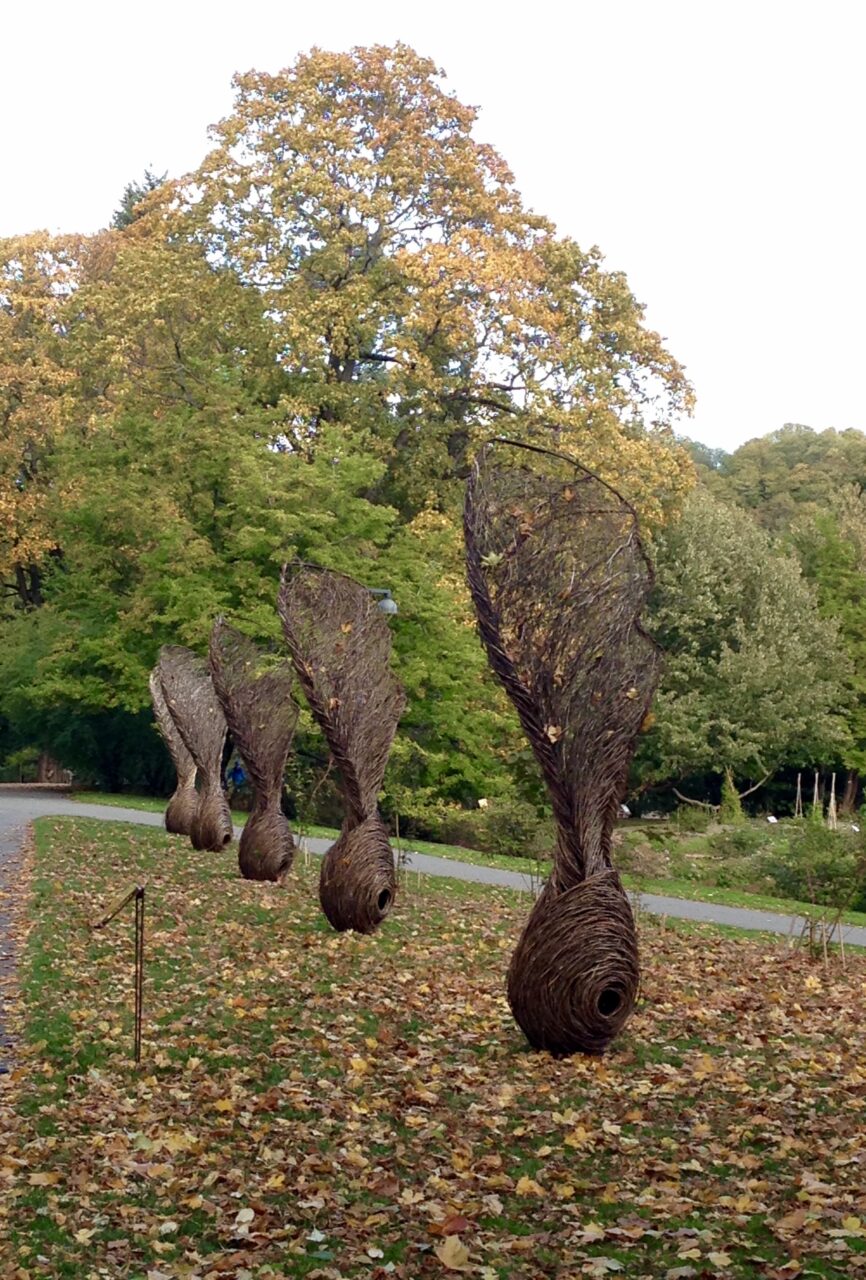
(17, 808)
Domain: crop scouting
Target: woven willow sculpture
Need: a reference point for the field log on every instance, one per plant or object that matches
(256, 696)
(194, 707)
(181, 810)
(341, 646)
(559, 576)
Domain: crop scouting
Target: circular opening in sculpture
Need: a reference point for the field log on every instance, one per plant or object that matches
(384, 900)
(608, 1002)
(227, 839)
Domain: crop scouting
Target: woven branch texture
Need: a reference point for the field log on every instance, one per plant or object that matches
(255, 692)
(340, 646)
(195, 709)
(559, 577)
(181, 810)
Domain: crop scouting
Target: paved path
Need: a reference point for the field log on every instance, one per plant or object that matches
(19, 807)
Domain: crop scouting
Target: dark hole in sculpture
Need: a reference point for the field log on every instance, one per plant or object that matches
(227, 838)
(384, 900)
(608, 1002)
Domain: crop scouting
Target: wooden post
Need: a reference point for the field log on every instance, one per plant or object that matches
(798, 803)
(831, 808)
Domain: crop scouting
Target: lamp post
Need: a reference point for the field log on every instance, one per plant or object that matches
(386, 601)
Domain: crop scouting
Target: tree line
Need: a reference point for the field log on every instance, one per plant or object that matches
(295, 352)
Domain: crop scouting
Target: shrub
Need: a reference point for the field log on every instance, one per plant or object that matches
(691, 817)
(514, 827)
(507, 826)
(817, 865)
(731, 808)
(737, 842)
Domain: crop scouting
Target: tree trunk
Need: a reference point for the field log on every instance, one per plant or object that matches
(848, 803)
(48, 769)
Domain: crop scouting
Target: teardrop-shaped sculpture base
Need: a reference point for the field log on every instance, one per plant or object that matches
(573, 978)
(212, 827)
(358, 882)
(181, 811)
(266, 849)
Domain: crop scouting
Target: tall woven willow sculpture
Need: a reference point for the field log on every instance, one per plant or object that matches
(181, 810)
(256, 696)
(194, 707)
(559, 577)
(341, 646)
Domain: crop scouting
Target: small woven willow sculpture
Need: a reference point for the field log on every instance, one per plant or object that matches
(559, 577)
(341, 646)
(194, 707)
(181, 810)
(256, 696)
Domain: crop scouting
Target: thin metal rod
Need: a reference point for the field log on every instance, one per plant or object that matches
(139, 969)
(136, 894)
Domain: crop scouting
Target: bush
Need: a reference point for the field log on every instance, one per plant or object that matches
(507, 826)
(737, 842)
(824, 867)
(513, 827)
(691, 817)
(731, 808)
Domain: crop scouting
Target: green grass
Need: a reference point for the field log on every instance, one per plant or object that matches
(314, 1102)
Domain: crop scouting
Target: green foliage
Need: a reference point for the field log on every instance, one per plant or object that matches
(692, 817)
(754, 676)
(731, 808)
(817, 865)
(133, 194)
(20, 765)
(739, 841)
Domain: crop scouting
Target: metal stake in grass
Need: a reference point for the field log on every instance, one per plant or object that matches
(135, 895)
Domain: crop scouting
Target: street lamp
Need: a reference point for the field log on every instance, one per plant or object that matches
(386, 602)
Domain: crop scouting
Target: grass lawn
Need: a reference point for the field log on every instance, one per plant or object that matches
(669, 886)
(324, 1105)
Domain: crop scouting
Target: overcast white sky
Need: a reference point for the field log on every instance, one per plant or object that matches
(714, 151)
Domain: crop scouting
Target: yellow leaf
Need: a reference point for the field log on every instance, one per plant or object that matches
(224, 1104)
(529, 1187)
(452, 1254)
(44, 1179)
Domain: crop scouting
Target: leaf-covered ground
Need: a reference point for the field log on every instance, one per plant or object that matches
(338, 1106)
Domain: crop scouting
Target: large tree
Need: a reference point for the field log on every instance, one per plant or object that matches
(754, 676)
(412, 293)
